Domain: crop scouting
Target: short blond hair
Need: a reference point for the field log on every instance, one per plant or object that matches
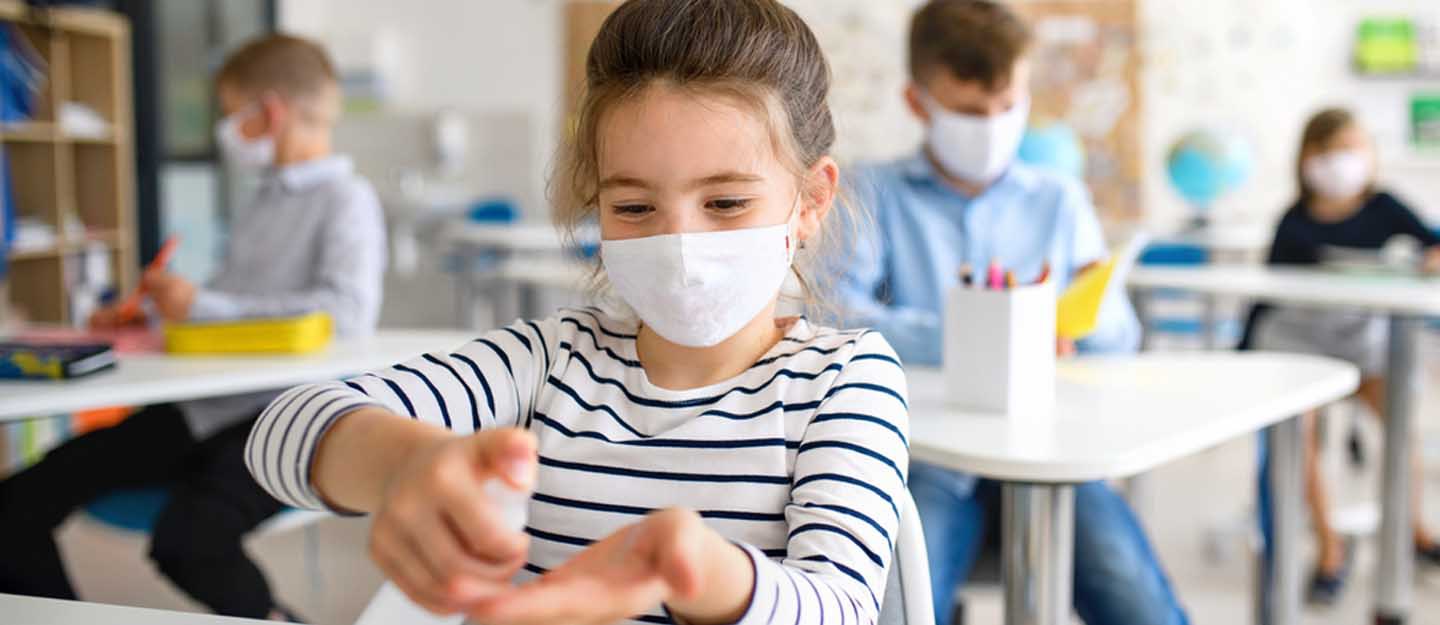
(294, 67)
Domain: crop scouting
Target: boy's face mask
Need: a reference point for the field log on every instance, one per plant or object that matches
(699, 288)
(239, 151)
(975, 148)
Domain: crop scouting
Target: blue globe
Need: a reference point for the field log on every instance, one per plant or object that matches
(1206, 164)
(1054, 146)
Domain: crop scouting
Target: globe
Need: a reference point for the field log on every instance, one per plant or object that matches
(1053, 145)
(1206, 164)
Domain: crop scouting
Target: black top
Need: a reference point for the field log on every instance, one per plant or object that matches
(1300, 239)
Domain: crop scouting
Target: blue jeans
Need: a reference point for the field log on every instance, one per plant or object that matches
(1118, 580)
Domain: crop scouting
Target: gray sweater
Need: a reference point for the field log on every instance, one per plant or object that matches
(313, 239)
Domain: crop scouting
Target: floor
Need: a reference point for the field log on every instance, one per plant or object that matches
(1195, 510)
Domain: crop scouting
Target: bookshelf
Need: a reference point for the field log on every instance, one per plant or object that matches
(82, 186)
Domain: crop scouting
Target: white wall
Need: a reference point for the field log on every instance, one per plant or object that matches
(1258, 67)
(478, 56)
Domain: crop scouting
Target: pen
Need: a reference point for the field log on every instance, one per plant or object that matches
(1044, 273)
(130, 308)
(967, 277)
(994, 278)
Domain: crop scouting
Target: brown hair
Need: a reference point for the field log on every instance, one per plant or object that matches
(756, 52)
(294, 67)
(1322, 127)
(978, 40)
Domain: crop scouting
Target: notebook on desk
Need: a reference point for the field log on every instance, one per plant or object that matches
(27, 360)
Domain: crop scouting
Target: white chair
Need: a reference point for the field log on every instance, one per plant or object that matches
(907, 599)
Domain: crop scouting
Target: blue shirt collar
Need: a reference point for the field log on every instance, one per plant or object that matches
(299, 176)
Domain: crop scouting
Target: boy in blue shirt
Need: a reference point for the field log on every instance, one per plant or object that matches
(962, 200)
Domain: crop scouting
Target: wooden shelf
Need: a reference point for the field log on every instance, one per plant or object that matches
(59, 177)
(36, 254)
(49, 132)
(72, 19)
(115, 239)
(29, 131)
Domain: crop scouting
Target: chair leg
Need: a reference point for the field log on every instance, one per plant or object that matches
(312, 570)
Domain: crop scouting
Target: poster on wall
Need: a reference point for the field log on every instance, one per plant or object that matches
(1086, 81)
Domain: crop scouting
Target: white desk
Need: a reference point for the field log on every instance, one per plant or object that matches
(1241, 240)
(1405, 300)
(154, 378)
(36, 611)
(513, 237)
(1116, 417)
(513, 262)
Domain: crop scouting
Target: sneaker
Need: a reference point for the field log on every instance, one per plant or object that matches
(1429, 555)
(1325, 588)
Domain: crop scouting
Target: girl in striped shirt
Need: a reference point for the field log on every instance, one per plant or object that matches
(695, 458)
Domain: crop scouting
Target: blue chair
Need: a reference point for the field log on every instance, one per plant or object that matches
(1179, 324)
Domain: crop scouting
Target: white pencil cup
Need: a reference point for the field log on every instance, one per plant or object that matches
(1000, 349)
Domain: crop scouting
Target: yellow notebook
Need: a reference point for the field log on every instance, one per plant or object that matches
(1078, 308)
(285, 335)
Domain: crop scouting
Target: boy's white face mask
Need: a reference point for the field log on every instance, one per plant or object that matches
(976, 148)
(1341, 174)
(236, 150)
(699, 288)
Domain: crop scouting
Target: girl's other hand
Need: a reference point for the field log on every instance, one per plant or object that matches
(670, 557)
(438, 536)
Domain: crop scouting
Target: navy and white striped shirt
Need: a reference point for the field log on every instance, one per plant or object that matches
(799, 459)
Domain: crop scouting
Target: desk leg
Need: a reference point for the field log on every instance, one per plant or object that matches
(1209, 317)
(1397, 548)
(1038, 548)
(1281, 600)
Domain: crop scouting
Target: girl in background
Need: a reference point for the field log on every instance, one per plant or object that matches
(1340, 211)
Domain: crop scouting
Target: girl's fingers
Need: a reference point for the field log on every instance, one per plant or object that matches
(478, 526)
(457, 576)
(412, 578)
(554, 602)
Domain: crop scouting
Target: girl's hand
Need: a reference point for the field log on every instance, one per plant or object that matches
(438, 536)
(1431, 264)
(670, 557)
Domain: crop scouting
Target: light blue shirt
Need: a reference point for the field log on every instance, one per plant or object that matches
(925, 230)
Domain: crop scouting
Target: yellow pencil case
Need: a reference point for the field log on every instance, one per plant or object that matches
(282, 335)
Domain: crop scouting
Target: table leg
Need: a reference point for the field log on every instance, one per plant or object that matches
(1209, 318)
(1280, 600)
(1140, 301)
(1038, 547)
(529, 297)
(1396, 571)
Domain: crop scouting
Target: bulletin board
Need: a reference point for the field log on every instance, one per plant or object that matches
(1086, 74)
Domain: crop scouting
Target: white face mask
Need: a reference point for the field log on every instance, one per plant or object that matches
(973, 147)
(699, 288)
(1341, 174)
(239, 151)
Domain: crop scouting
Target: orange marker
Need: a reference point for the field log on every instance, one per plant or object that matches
(129, 309)
(1009, 279)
